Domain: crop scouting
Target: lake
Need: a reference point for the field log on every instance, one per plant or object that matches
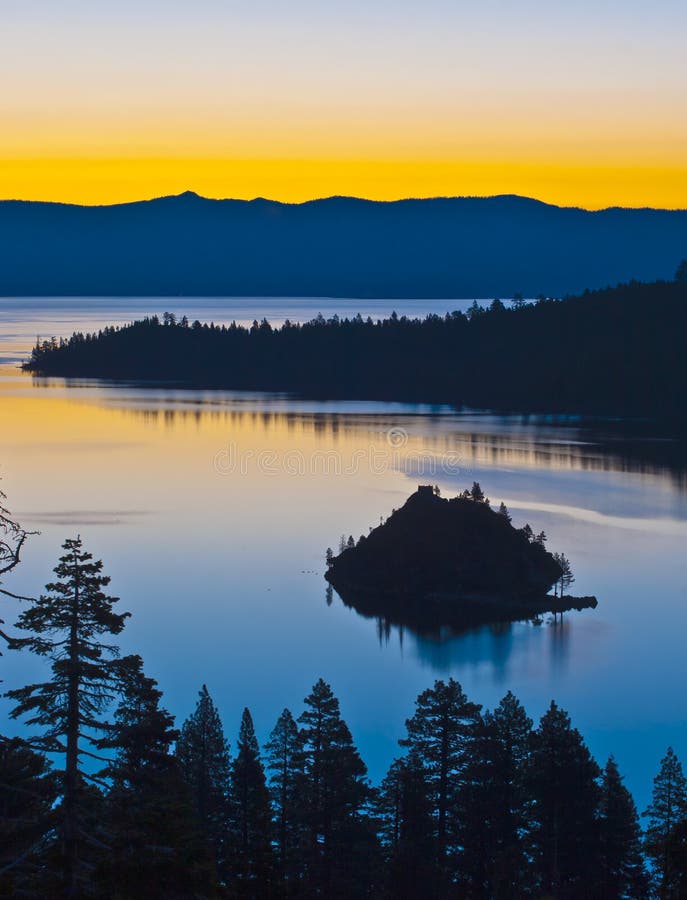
(212, 511)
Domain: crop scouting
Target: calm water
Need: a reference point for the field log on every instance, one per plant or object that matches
(212, 512)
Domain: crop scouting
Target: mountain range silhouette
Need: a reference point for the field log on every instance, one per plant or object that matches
(459, 247)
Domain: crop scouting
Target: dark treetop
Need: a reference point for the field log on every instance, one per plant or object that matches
(616, 352)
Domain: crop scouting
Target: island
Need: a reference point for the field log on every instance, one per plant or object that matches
(456, 562)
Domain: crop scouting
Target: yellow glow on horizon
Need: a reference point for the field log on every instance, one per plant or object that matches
(97, 180)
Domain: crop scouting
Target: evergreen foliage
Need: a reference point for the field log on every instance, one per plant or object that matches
(623, 873)
(667, 810)
(616, 352)
(203, 754)
(338, 839)
(251, 855)
(481, 806)
(439, 734)
(28, 821)
(154, 842)
(563, 786)
(67, 625)
(285, 761)
(500, 804)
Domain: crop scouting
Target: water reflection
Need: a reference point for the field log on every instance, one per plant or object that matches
(436, 440)
(216, 567)
(445, 647)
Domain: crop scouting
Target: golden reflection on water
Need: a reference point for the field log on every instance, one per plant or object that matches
(42, 413)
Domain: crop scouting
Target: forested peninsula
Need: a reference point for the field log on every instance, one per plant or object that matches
(614, 352)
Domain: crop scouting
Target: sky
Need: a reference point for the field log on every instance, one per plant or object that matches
(579, 103)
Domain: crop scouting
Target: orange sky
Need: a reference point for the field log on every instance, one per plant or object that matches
(578, 104)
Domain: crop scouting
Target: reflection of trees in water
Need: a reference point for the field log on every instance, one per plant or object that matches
(527, 441)
(559, 643)
(445, 648)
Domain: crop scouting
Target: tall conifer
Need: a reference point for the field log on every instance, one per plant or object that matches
(203, 754)
(67, 625)
(439, 737)
(252, 863)
(285, 762)
(668, 808)
(623, 874)
(563, 785)
(336, 795)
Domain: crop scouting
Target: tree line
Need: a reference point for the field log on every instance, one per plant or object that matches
(618, 351)
(106, 798)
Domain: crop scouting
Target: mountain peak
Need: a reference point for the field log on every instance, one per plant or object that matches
(188, 195)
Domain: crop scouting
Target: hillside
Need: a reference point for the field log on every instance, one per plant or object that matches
(338, 247)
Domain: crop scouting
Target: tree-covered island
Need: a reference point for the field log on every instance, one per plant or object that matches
(454, 562)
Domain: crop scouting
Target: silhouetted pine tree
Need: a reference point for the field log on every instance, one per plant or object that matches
(155, 846)
(476, 492)
(251, 860)
(565, 793)
(439, 737)
(340, 841)
(677, 851)
(623, 874)
(285, 762)
(203, 754)
(407, 832)
(28, 790)
(67, 624)
(496, 823)
(667, 809)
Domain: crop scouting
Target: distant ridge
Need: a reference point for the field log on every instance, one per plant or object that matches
(449, 247)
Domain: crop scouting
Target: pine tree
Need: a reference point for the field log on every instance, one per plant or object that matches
(565, 793)
(407, 831)
(566, 577)
(285, 762)
(336, 793)
(498, 807)
(155, 846)
(677, 851)
(203, 754)
(439, 736)
(503, 511)
(143, 732)
(66, 625)
(28, 790)
(623, 874)
(252, 862)
(476, 493)
(667, 809)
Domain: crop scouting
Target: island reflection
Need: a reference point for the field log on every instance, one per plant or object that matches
(443, 647)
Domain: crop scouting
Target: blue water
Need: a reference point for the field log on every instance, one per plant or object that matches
(212, 512)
